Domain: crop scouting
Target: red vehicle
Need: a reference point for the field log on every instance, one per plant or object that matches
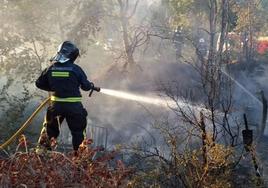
(262, 45)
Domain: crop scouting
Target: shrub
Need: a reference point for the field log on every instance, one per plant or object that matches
(55, 169)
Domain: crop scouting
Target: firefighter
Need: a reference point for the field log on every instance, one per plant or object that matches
(201, 49)
(63, 79)
(178, 41)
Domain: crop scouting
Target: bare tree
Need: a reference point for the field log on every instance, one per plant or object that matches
(201, 145)
(133, 36)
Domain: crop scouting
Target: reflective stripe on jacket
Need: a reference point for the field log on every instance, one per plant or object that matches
(67, 99)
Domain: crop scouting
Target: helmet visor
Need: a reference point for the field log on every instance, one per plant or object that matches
(66, 51)
(61, 58)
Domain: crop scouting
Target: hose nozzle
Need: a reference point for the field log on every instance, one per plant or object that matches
(93, 88)
(97, 89)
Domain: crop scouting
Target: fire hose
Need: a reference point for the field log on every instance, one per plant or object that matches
(29, 120)
(26, 124)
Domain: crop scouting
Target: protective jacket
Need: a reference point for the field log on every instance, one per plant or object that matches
(64, 80)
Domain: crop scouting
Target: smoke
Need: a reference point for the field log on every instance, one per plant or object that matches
(133, 102)
(125, 119)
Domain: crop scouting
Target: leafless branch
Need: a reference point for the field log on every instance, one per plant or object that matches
(134, 10)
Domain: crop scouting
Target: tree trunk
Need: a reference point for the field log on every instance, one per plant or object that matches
(212, 28)
(204, 140)
(224, 28)
(124, 24)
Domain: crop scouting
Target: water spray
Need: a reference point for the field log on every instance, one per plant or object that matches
(163, 102)
(153, 100)
(242, 87)
(135, 97)
(168, 103)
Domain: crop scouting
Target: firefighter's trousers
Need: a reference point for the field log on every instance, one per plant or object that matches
(76, 118)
